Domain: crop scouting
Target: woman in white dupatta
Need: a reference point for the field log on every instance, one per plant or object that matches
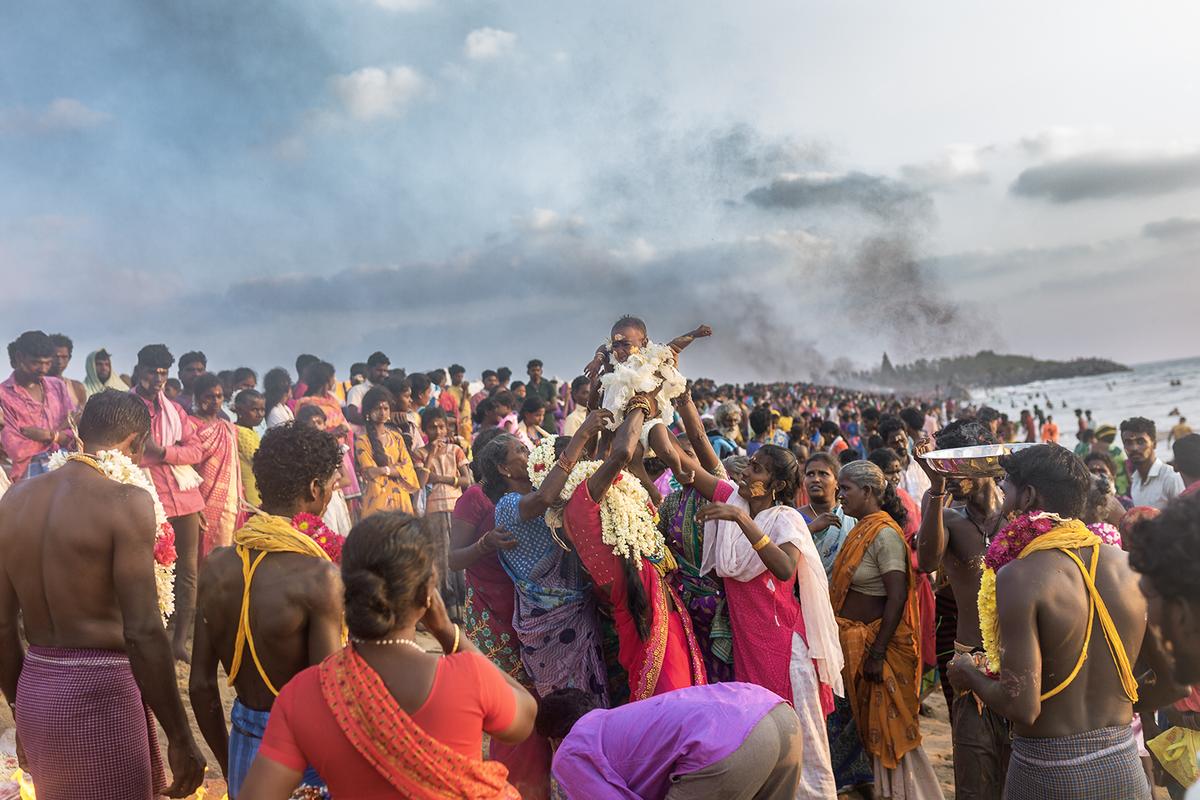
(785, 637)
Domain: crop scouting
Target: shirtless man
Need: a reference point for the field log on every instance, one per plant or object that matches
(295, 602)
(1070, 717)
(955, 541)
(77, 556)
(64, 348)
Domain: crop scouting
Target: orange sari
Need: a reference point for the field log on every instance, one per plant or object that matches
(886, 713)
(411, 760)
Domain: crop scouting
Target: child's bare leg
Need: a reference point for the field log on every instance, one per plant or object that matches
(667, 450)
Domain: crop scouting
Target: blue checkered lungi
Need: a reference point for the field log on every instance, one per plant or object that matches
(245, 735)
(1098, 765)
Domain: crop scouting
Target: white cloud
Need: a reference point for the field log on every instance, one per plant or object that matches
(547, 220)
(959, 163)
(63, 114)
(376, 92)
(402, 5)
(485, 44)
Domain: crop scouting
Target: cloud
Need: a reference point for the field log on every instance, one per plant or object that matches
(958, 164)
(63, 114)
(377, 92)
(485, 44)
(873, 194)
(546, 220)
(1104, 175)
(1173, 228)
(402, 5)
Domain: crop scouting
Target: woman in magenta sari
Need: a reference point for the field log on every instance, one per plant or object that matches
(474, 545)
(785, 637)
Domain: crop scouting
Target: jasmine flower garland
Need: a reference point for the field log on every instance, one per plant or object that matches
(626, 514)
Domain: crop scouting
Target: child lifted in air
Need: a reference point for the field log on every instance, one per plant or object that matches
(630, 364)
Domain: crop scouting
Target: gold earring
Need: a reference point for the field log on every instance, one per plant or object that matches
(428, 601)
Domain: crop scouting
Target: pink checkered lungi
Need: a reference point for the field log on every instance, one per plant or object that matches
(87, 733)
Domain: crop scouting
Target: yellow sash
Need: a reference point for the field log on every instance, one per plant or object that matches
(1072, 535)
(267, 533)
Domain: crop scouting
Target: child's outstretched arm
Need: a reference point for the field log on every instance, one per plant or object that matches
(679, 342)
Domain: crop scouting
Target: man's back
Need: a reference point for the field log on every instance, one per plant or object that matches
(56, 547)
(1095, 698)
(286, 590)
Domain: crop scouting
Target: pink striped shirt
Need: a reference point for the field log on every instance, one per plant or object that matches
(21, 410)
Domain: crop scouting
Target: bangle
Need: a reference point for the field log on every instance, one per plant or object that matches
(763, 542)
(639, 402)
(457, 633)
(565, 465)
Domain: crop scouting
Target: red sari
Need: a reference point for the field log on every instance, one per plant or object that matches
(669, 658)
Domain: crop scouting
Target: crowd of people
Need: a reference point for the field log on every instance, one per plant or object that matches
(640, 586)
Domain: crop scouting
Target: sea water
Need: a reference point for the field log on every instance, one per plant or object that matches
(1144, 392)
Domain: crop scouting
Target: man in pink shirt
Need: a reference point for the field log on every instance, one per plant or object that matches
(171, 450)
(35, 406)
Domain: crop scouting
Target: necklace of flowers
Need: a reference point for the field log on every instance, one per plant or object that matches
(117, 466)
(626, 513)
(313, 526)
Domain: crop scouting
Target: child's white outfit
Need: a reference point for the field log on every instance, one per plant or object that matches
(652, 367)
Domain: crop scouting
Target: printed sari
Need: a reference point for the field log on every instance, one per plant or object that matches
(555, 614)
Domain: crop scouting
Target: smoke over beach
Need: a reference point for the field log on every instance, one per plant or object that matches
(481, 184)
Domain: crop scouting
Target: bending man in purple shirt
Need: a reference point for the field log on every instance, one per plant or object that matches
(723, 740)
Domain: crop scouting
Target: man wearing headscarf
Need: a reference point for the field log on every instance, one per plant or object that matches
(100, 375)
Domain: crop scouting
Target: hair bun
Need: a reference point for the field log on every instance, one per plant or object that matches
(369, 613)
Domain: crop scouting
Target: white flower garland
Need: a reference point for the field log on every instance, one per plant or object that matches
(650, 369)
(117, 466)
(626, 520)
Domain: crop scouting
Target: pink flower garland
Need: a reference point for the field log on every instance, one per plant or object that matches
(312, 526)
(1014, 537)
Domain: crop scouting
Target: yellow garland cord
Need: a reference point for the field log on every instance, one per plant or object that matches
(244, 638)
(1111, 636)
(1072, 534)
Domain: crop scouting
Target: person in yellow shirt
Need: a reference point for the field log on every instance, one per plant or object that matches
(251, 408)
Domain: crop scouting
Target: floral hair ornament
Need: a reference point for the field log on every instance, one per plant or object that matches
(541, 461)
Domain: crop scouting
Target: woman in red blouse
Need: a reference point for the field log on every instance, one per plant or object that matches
(383, 717)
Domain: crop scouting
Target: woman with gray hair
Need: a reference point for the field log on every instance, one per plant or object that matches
(873, 589)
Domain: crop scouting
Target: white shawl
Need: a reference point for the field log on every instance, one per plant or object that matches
(730, 555)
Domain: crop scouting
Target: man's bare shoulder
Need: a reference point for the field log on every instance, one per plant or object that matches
(317, 583)
(1025, 576)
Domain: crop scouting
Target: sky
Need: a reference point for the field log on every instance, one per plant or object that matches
(482, 182)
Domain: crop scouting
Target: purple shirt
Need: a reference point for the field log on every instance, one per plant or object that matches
(631, 752)
(22, 411)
